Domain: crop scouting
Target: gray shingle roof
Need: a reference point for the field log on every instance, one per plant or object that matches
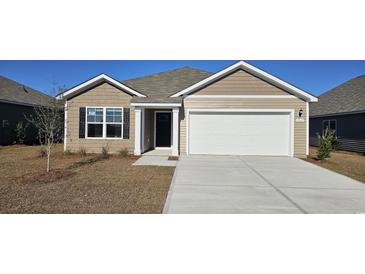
(158, 87)
(347, 97)
(13, 92)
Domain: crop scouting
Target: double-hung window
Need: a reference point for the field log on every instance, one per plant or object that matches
(104, 122)
(114, 122)
(5, 123)
(331, 125)
(95, 121)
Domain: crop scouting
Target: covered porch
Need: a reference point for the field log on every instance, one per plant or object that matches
(156, 129)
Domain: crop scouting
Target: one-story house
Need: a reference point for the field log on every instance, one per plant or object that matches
(16, 102)
(240, 110)
(342, 110)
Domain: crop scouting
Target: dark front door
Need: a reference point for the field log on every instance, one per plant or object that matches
(163, 129)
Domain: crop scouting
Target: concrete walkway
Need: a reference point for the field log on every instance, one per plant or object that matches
(150, 160)
(252, 184)
(156, 157)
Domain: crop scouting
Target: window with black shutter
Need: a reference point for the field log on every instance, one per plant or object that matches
(126, 122)
(104, 123)
(82, 123)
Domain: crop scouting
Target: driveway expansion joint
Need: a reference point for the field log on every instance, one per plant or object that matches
(274, 187)
(320, 188)
(260, 184)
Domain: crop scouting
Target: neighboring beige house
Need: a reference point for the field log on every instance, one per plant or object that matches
(240, 110)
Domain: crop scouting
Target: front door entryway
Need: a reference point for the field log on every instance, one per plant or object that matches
(163, 129)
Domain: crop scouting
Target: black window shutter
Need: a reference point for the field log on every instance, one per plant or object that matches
(82, 123)
(126, 122)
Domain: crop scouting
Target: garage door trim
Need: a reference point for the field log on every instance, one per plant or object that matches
(287, 111)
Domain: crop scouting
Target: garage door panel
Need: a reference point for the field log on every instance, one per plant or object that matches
(239, 133)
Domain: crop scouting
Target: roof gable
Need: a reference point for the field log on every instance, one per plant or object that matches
(94, 82)
(239, 82)
(255, 72)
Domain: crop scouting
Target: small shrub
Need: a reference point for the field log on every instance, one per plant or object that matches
(325, 144)
(105, 152)
(124, 152)
(20, 132)
(335, 143)
(84, 162)
(67, 152)
(42, 152)
(82, 151)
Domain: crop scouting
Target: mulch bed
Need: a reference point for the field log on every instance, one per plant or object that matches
(45, 177)
(350, 164)
(173, 158)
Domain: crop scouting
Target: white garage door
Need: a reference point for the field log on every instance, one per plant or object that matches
(239, 133)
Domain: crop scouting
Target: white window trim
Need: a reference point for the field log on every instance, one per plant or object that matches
(329, 124)
(291, 112)
(104, 123)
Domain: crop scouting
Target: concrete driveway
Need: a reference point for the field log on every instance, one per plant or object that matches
(252, 184)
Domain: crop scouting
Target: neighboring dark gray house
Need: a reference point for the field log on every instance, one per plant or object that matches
(342, 109)
(17, 100)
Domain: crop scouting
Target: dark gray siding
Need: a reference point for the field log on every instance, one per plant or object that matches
(350, 131)
(13, 114)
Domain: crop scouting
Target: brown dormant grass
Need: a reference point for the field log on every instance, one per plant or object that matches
(79, 184)
(346, 163)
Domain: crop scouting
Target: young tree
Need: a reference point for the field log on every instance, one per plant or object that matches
(48, 120)
(325, 144)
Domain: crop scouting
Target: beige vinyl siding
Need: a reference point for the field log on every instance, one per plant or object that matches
(300, 135)
(240, 83)
(104, 95)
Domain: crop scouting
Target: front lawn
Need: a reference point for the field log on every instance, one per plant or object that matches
(79, 184)
(346, 163)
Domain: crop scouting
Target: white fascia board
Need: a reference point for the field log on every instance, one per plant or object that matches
(275, 80)
(241, 96)
(270, 110)
(96, 80)
(156, 104)
(255, 71)
(207, 80)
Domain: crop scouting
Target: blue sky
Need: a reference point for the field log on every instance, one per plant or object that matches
(315, 77)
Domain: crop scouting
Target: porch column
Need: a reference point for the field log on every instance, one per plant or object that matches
(137, 131)
(175, 132)
(142, 130)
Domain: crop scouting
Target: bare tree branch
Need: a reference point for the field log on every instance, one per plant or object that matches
(49, 122)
